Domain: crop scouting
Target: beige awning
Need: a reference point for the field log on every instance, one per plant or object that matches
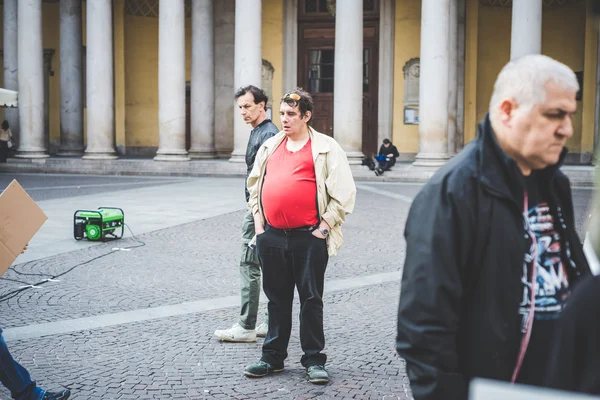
(8, 98)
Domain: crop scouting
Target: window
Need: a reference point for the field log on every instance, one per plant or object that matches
(328, 6)
(320, 71)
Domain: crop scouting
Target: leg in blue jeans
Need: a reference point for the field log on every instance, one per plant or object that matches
(15, 377)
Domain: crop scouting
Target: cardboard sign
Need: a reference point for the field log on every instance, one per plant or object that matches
(20, 219)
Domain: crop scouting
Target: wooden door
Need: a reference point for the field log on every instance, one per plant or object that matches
(316, 53)
(370, 92)
(188, 117)
(318, 62)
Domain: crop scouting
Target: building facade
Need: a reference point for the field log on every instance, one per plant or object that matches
(102, 79)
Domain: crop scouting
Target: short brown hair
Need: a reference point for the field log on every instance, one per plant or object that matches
(299, 97)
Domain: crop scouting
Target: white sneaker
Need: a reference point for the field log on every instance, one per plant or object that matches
(261, 330)
(236, 334)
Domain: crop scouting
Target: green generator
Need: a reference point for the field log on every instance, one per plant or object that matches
(106, 223)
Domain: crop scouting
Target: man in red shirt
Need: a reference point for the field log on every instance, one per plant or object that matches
(301, 189)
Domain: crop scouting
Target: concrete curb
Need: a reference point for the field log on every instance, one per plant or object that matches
(402, 172)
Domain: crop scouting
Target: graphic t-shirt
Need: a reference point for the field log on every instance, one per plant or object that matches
(551, 284)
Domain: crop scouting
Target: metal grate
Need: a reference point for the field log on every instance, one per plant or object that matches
(508, 3)
(149, 8)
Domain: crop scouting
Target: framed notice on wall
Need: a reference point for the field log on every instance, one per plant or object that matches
(411, 116)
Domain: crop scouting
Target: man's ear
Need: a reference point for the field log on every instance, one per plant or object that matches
(308, 116)
(506, 111)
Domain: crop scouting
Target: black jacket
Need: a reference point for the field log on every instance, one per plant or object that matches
(575, 359)
(258, 136)
(461, 284)
(384, 151)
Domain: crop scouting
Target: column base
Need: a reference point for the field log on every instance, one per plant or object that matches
(238, 157)
(431, 159)
(171, 157)
(100, 156)
(355, 157)
(203, 154)
(31, 154)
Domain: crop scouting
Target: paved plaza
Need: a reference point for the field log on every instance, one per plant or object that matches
(138, 323)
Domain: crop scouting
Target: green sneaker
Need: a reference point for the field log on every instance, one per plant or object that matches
(261, 368)
(317, 374)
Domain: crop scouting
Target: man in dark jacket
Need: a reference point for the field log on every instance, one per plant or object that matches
(252, 103)
(492, 224)
(575, 357)
(387, 157)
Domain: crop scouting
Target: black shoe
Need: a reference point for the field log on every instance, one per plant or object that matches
(261, 368)
(377, 172)
(317, 374)
(62, 395)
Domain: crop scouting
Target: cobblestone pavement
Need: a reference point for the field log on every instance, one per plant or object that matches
(177, 357)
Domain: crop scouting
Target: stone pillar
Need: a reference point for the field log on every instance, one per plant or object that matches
(31, 80)
(526, 30)
(71, 79)
(385, 116)
(348, 78)
(460, 114)
(433, 90)
(171, 82)
(290, 45)
(11, 80)
(596, 158)
(100, 82)
(248, 65)
(452, 77)
(202, 105)
(224, 25)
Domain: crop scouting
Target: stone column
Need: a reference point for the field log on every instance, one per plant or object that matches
(460, 114)
(31, 80)
(224, 25)
(11, 80)
(71, 79)
(597, 108)
(290, 45)
(100, 82)
(202, 105)
(348, 78)
(526, 30)
(452, 77)
(433, 90)
(248, 65)
(171, 82)
(386, 70)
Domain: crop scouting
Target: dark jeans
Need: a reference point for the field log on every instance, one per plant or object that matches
(386, 165)
(15, 377)
(293, 259)
(3, 151)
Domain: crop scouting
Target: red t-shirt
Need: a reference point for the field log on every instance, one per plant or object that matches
(289, 191)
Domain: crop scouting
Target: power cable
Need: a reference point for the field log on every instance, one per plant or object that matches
(13, 293)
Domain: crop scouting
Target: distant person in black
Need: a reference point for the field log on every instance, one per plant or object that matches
(575, 357)
(387, 157)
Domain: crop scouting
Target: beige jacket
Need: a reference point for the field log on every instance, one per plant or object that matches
(336, 191)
